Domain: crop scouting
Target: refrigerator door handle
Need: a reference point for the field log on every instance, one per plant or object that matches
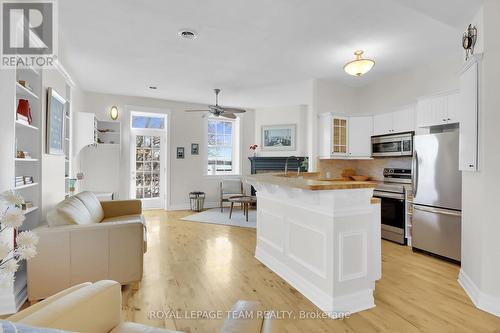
(438, 211)
(414, 180)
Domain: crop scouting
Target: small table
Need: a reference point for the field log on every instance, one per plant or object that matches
(244, 200)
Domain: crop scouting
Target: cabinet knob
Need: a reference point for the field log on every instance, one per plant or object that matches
(449, 118)
(471, 165)
(444, 119)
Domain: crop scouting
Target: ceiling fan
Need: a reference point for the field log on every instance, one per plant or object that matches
(220, 111)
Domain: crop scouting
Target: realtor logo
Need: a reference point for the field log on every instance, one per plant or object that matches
(29, 33)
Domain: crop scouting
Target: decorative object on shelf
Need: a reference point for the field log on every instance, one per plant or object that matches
(56, 105)
(23, 112)
(23, 180)
(305, 164)
(253, 149)
(113, 112)
(23, 154)
(25, 84)
(278, 137)
(469, 39)
(27, 205)
(195, 149)
(72, 186)
(24, 245)
(180, 152)
(359, 66)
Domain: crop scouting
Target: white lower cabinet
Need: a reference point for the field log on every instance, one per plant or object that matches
(345, 137)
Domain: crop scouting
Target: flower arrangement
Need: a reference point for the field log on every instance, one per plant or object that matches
(253, 149)
(24, 242)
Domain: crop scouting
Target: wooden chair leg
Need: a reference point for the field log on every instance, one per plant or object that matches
(221, 208)
(231, 211)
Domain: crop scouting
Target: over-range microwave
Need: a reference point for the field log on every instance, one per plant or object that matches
(400, 144)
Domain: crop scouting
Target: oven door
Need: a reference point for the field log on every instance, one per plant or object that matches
(393, 216)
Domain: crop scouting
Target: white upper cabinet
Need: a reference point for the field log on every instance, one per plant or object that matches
(404, 120)
(345, 137)
(382, 123)
(394, 122)
(360, 132)
(468, 110)
(454, 109)
(438, 110)
(85, 131)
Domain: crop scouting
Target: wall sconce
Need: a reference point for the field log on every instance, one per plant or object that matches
(113, 113)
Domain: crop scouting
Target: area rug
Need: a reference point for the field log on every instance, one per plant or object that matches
(214, 216)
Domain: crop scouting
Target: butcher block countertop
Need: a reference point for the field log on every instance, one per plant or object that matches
(309, 181)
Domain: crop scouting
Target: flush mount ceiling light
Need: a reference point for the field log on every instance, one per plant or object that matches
(188, 34)
(113, 112)
(359, 66)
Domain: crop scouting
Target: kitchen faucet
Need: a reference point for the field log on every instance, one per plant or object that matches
(298, 165)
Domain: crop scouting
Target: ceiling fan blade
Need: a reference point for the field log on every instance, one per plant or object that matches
(196, 110)
(233, 110)
(228, 115)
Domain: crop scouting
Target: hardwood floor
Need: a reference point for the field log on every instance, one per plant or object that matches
(195, 266)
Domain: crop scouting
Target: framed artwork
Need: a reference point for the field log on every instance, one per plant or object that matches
(195, 149)
(278, 137)
(56, 105)
(180, 152)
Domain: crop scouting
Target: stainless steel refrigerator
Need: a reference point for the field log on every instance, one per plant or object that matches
(437, 192)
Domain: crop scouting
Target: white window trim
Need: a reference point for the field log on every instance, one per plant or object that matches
(237, 146)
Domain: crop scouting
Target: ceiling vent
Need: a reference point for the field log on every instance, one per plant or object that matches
(188, 34)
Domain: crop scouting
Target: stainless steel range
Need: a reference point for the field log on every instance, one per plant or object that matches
(393, 192)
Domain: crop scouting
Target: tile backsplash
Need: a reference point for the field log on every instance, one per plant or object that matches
(373, 168)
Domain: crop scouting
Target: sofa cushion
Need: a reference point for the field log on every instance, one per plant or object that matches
(12, 327)
(74, 211)
(93, 205)
(128, 327)
(126, 218)
(38, 306)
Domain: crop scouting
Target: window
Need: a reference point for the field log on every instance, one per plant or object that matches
(148, 122)
(221, 148)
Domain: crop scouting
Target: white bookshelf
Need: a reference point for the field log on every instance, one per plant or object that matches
(28, 138)
(68, 140)
(108, 132)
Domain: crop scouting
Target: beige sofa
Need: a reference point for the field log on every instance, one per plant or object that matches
(88, 240)
(96, 308)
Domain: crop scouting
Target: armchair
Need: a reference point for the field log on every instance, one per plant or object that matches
(88, 240)
(229, 188)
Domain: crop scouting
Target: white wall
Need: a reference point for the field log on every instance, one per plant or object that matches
(480, 220)
(403, 89)
(296, 114)
(185, 128)
(53, 183)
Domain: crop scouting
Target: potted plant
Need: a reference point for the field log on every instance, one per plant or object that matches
(24, 245)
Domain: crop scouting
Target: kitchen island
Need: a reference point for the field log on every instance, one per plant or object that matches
(321, 236)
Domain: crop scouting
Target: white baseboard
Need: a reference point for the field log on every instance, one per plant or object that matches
(485, 302)
(187, 206)
(352, 303)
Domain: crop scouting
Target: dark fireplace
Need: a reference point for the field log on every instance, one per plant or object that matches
(274, 164)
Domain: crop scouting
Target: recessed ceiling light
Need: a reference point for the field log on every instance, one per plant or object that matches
(188, 34)
(153, 87)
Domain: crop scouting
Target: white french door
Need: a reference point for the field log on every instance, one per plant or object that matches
(148, 168)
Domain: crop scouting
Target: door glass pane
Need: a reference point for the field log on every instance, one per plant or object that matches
(147, 162)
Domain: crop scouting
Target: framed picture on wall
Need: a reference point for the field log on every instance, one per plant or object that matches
(180, 152)
(278, 137)
(56, 105)
(195, 149)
